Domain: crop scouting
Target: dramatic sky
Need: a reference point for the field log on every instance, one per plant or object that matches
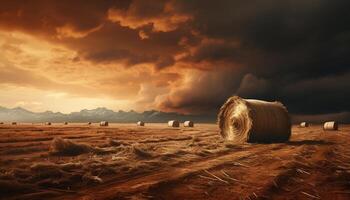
(185, 56)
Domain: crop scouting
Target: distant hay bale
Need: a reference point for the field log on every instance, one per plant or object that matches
(67, 147)
(188, 124)
(174, 123)
(89, 123)
(304, 124)
(330, 126)
(14, 123)
(48, 123)
(249, 120)
(1, 122)
(104, 123)
(140, 123)
(65, 123)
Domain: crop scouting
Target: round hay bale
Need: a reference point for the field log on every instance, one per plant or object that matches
(48, 123)
(330, 126)
(104, 123)
(304, 124)
(14, 123)
(1, 122)
(89, 123)
(188, 124)
(173, 123)
(249, 120)
(140, 123)
(65, 123)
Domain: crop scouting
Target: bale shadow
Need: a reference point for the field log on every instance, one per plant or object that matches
(309, 142)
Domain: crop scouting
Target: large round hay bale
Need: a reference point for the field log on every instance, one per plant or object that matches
(140, 123)
(89, 123)
(65, 123)
(188, 124)
(304, 124)
(1, 122)
(330, 126)
(173, 123)
(48, 123)
(104, 123)
(14, 123)
(249, 120)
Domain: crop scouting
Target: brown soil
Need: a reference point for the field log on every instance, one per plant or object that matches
(124, 161)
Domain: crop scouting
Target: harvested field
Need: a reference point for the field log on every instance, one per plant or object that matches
(124, 161)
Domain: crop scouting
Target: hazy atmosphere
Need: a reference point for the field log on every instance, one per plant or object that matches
(175, 56)
(174, 99)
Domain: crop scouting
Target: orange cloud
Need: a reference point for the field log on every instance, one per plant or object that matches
(69, 30)
(161, 16)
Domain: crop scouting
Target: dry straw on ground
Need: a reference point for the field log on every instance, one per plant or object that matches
(304, 124)
(188, 124)
(142, 151)
(174, 123)
(248, 120)
(67, 147)
(331, 125)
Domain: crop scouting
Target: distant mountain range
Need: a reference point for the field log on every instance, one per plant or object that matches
(19, 114)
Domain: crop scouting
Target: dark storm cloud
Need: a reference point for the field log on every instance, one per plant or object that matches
(282, 43)
(293, 51)
(328, 94)
(309, 38)
(117, 43)
(43, 16)
(215, 51)
(203, 92)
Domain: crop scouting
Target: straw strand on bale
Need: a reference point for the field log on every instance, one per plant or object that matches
(249, 120)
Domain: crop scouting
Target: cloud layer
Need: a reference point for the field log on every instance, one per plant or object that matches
(184, 56)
